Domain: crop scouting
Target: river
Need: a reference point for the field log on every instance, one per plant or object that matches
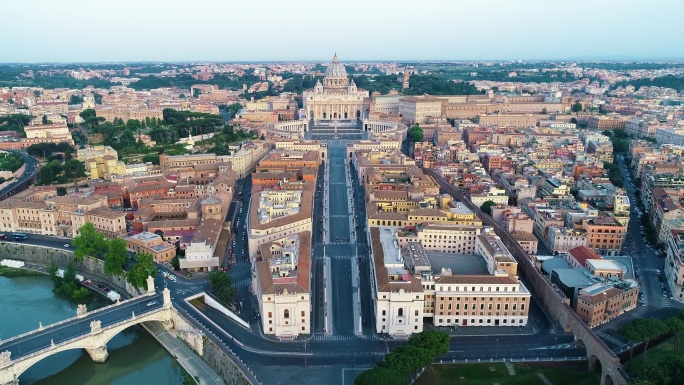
(135, 357)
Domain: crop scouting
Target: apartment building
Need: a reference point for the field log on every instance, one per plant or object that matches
(605, 234)
(561, 239)
(603, 123)
(674, 264)
(281, 285)
(601, 302)
(34, 212)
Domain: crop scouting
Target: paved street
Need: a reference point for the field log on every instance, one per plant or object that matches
(40, 340)
(19, 184)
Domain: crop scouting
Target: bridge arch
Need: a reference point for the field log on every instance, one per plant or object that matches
(93, 343)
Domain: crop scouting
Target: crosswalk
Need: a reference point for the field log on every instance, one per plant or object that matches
(652, 269)
(346, 337)
(244, 282)
(607, 337)
(666, 302)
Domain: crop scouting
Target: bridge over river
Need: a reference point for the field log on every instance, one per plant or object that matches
(87, 330)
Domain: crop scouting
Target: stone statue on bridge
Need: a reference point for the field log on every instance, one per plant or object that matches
(5, 358)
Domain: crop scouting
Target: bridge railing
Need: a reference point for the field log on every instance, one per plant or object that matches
(2, 342)
(37, 352)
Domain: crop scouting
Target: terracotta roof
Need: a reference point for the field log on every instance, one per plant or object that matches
(298, 285)
(381, 275)
(582, 253)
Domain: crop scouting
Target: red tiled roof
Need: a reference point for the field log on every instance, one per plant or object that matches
(582, 253)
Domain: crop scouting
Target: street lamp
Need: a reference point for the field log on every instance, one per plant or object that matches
(555, 347)
(496, 356)
(304, 354)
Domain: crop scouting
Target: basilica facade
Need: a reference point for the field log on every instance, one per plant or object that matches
(337, 98)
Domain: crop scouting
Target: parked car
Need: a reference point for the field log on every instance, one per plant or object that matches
(151, 303)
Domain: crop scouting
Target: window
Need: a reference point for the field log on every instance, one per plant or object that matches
(383, 312)
(302, 313)
(286, 314)
(270, 314)
(401, 312)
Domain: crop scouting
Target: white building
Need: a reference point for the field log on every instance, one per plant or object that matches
(398, 296)
(281, 284)
(199, 256)
(337, 98)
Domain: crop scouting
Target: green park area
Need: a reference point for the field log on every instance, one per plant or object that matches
(509, 374)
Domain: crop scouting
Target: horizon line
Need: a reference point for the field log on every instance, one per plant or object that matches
(513, 61)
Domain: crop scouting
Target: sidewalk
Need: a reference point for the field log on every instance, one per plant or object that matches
(484, 331)
(184, 355)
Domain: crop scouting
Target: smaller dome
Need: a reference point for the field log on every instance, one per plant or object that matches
(211, 200)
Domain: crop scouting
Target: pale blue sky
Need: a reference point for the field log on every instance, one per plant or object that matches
(228, 30)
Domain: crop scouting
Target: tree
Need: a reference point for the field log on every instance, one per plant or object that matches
(74, 169)
(380, 376)
(577, 107)
(436, 341)
(175, 262)
(487, 207)
(52, 269)
(81, 295)
(221, 285)
(668, 371)
(545, 111)
(75, 99)
(115, 258)
(644, 330)
(676, 327)
(140, 270)
(573, 120)
(407, 359)
(89, 242)
(61, 191)
(416, 134)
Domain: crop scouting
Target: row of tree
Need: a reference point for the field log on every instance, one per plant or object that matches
(58, 172)
(91, 243)
(669, 371)
(406, 360)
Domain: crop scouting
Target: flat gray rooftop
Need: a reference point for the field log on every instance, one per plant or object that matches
(458, 263)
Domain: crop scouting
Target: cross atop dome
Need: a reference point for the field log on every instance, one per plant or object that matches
(335, 59)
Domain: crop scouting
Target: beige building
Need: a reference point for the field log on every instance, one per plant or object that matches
(276, 214)
(445, 238)
(417, 109)
(506, 120)
(304, 145)
(281, 285)
(151, 243)
(175, 163)
(337, 97)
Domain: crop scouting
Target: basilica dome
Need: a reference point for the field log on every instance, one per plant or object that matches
(336, 69)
